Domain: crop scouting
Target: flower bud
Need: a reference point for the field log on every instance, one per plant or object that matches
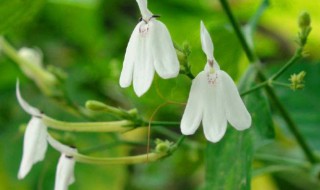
(297, 80)
(163, 146)
(96, 106)
(304, 20)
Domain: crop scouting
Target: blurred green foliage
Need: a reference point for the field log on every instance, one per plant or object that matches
(88, 38)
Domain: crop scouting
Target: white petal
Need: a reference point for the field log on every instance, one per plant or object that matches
(60, 147)
(64, 173)
(25, 106)
(194, 110)
(166, 61)
(143, 67)
(236, 111)
(128, 63)
(207, 45)
(143, 6)
(214, 119)
(34, 146)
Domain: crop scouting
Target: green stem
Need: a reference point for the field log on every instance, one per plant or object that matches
(294, 59)
(238, 31)
(290, 123)
(115, 126)
(140, 159)
(252, 58)
(165, 123)
(281, 84)
(261, 85)
(13, 54)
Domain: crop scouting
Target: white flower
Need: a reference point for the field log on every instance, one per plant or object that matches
(65, 172)
(34, 56)
(213, 99)
(34, 142)
(150, 49)
(65, 168)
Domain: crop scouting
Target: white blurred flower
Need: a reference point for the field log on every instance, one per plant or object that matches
(34, 142)
(150, 49)
(213, 99)
(34, 56)
(65, 167)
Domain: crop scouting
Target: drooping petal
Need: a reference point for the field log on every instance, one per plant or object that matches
(129, 59)
(207, 45)
(214, 119)
(193, 113)
(143, 6)
(64, 173)
(236, 112)
(166, 62)
(143, 68)
(34, 145)
(25, 106)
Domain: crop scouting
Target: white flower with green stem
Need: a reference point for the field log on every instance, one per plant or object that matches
(213, 99)
(150, 49)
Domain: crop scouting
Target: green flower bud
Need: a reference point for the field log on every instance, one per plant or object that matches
(163, 146)
(304, 20)
(297, 80)
(96, 106)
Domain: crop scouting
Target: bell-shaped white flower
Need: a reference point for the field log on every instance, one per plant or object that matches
(34, 142)
(150, 49)
(213, 99)
(65, 168)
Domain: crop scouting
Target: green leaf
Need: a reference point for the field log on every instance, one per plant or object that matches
(13, 13)
(228, 163)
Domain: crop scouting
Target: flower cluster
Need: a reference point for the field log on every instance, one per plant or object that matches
(213, 99)
(35, 147)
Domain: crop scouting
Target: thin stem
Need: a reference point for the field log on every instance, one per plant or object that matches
(165, 123)
(290, 123)
(252, 58)
(140, 159)
(294, 59)
(238, 31)
(114, 126)
(110, 145)
(281, 84)
(259, 86)
(11, 52)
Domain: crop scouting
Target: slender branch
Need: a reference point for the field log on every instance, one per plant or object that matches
(294, 59)
(115, 126)
(259, 86)
(140, 159)
(165, 123)
(252, 58)
(238, 31)
(290, 123)
(281, 84)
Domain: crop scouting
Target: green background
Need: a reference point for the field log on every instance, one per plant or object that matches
(87, 39)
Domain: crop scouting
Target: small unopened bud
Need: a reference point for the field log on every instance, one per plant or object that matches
(304, 20)
(297, 80)
(96, 106)
(163, 146)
